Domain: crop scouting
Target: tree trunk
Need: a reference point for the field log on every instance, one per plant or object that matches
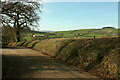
(17, 34)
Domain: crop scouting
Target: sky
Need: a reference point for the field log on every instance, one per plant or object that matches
(62, 16)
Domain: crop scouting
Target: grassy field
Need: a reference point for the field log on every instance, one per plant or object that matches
(82, 33)
(89, 33)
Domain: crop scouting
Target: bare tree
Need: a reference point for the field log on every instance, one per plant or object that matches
(20, 15)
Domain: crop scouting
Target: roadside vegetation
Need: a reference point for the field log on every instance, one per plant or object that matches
(97, 56)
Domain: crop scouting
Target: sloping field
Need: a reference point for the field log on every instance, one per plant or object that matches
(97, 56)
(89, 33)
(82, 33)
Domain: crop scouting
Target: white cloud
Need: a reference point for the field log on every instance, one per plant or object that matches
(108, 26)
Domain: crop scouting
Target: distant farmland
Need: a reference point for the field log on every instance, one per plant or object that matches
(82, 33)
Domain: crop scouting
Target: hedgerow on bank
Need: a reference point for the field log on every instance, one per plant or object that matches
(97, 56)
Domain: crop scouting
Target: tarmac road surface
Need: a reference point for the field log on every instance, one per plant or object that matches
(28, 63)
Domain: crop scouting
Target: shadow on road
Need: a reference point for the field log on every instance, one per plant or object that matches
(19, 66)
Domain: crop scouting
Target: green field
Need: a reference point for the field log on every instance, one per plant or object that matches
(81, 33)
(89, 33)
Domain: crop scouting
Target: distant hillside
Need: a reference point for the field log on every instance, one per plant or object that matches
(31, 31)
(47, 31)
(81, 33)
(108, 27)
(87, 33)
(27, 35)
